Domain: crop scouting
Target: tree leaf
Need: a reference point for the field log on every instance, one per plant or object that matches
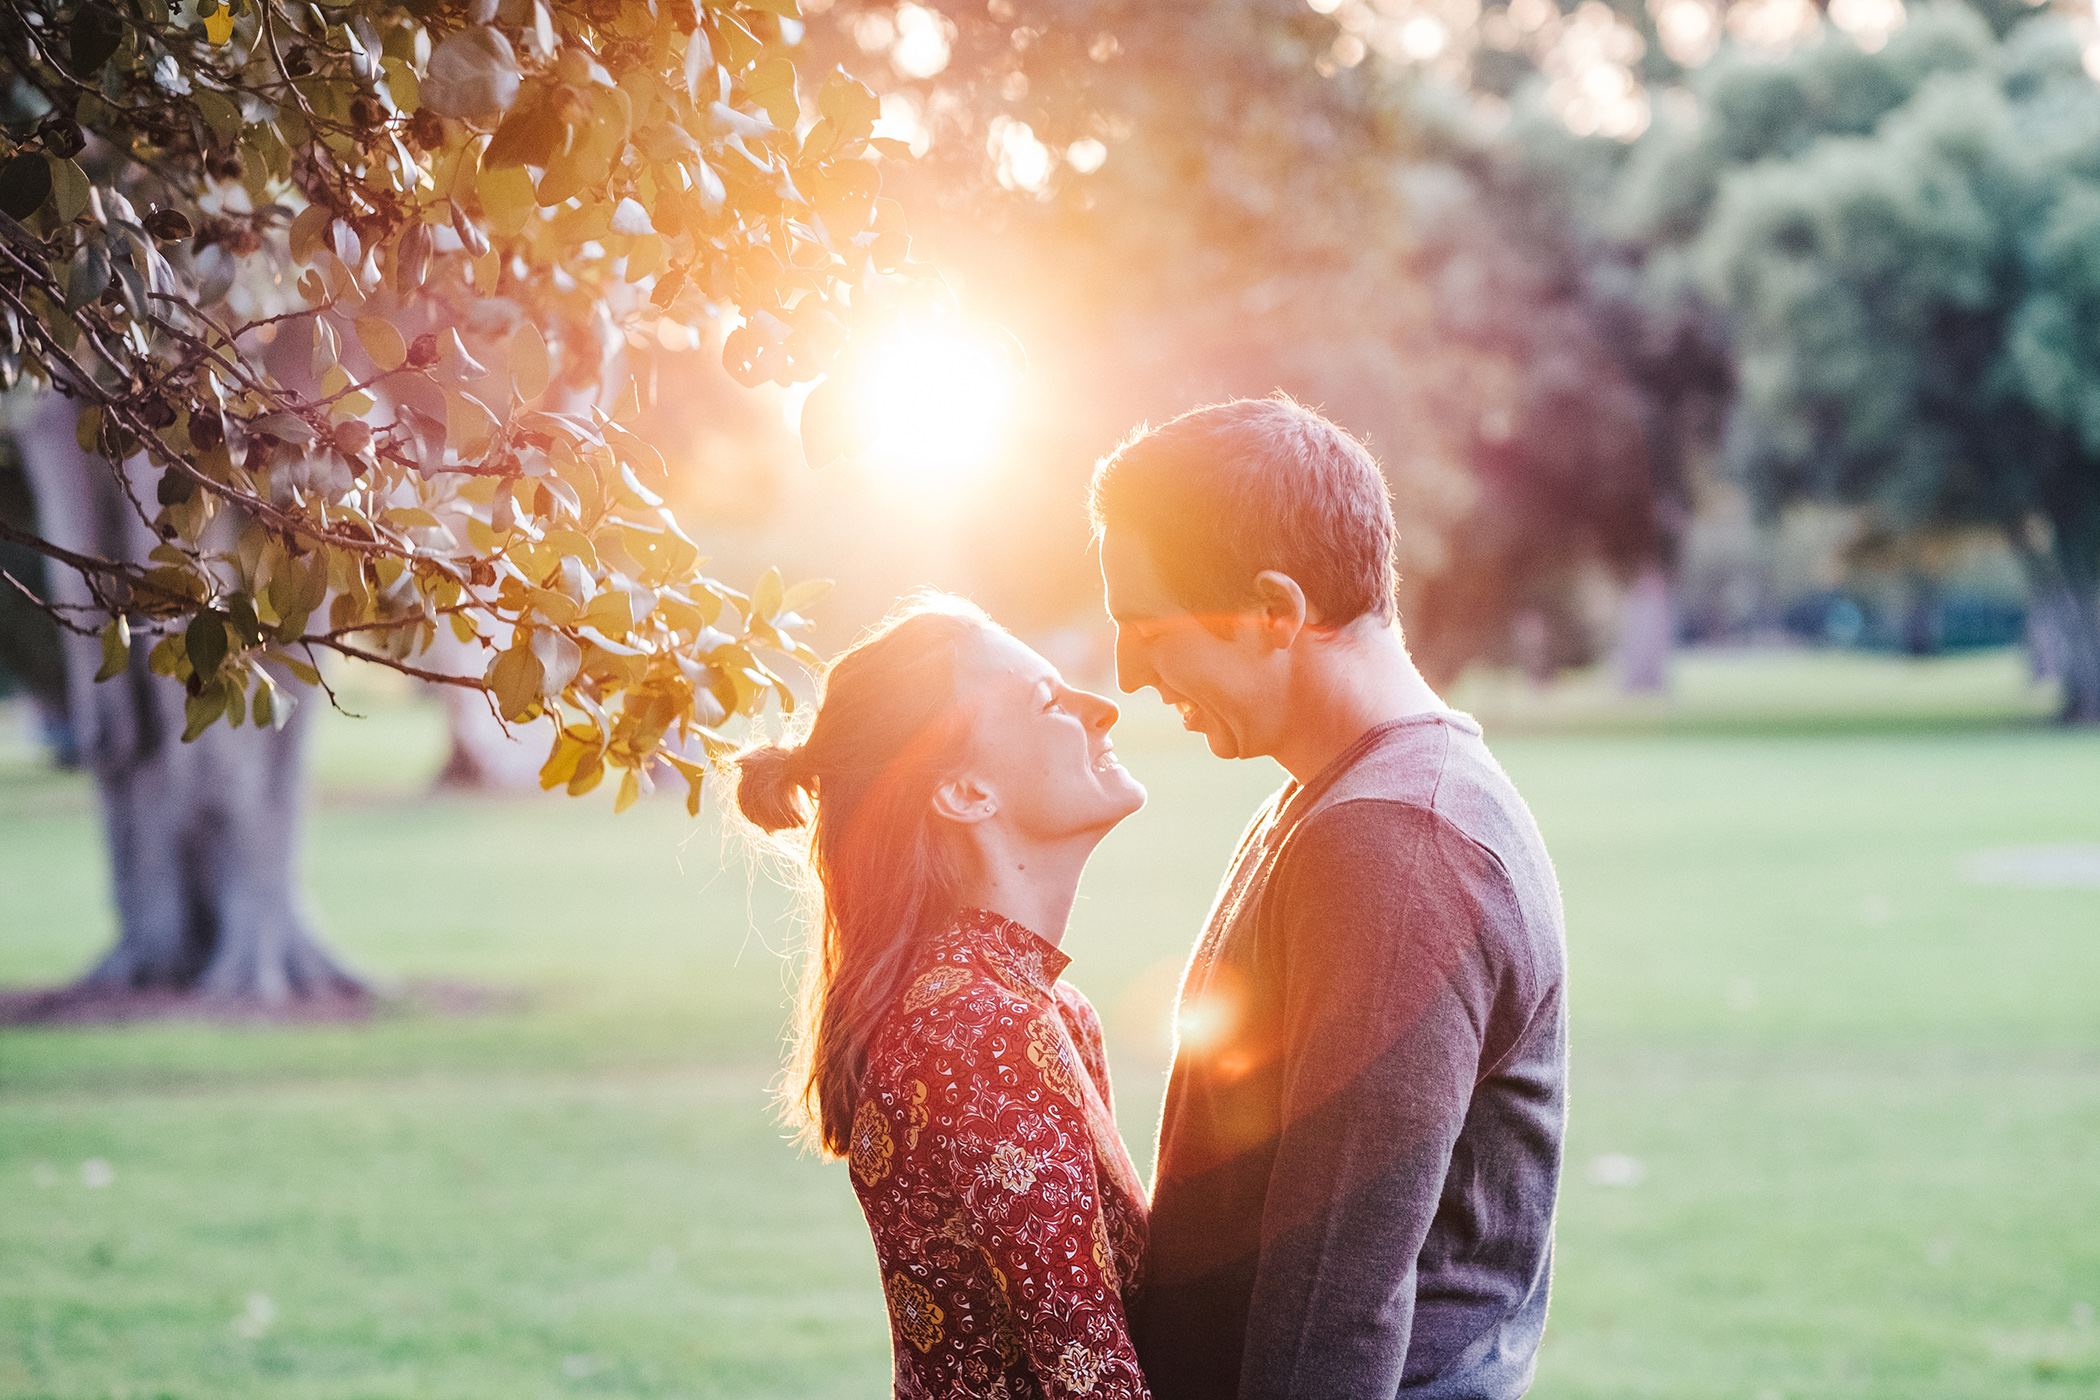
(468, 423)
(767, 597)
(529, 136)
(805, 593)
(529, 369)
(218, 28)
(472, 75)
(559, 659)
(630, 791)
(93, 38)
(515, 677)
(202, 710)
(90, 277)
(206, 642)
(69, 189)
(630, 218)
(116, 649)
(309, 231)
(220, 112)
(382, 341)
(25, 183)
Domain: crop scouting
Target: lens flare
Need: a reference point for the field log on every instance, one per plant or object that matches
(934, 405)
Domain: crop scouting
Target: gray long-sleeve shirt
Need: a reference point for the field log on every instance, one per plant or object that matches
(1361, 1144)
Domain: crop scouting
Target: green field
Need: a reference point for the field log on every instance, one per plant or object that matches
(1844, 1100)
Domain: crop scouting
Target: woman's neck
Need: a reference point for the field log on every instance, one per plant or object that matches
(1034, 887)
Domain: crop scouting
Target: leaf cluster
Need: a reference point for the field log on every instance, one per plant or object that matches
(351, 284)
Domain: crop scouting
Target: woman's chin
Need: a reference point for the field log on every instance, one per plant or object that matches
(1129, 795)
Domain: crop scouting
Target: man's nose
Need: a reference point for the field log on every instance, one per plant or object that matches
(1132, 675)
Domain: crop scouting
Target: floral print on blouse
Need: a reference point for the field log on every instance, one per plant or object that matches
(1009, 1220)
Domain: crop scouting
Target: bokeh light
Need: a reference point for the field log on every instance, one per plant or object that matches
(934, 404)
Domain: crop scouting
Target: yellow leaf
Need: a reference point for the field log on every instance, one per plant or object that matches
(611, 613)
(334, 381)
(645, 257)
(308, 230)
(382, 341)
(529, 368)
(630, 789)
(468, 423)
(507, 198)
(116, 649)
(218, 26)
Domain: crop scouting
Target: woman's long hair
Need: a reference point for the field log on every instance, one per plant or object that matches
(888, 730)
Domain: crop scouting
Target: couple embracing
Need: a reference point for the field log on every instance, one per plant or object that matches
(1361, 1142)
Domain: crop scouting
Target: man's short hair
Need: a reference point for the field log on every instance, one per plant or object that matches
(1227, 490)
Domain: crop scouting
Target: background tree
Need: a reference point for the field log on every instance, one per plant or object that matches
(338, 293)
(1915, 310)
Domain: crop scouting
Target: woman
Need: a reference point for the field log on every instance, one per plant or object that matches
(958, 786)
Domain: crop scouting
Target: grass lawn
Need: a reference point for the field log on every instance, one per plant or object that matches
(1836, 1121)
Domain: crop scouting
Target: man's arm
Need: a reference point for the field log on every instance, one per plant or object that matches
(1383, 915)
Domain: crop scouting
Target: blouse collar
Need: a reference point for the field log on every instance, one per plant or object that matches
(1019, 956)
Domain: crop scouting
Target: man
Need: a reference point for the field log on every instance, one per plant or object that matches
(1361, 1143)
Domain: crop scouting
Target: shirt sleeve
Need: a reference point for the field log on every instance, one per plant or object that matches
(1083, 1024)
(1380, 928)
(1024, 1161)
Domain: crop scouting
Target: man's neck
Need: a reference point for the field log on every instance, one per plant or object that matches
(1343, 686)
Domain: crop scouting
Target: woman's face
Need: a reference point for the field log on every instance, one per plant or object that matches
(1040, 747)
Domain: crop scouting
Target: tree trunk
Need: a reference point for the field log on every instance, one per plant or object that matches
(203, 837)
(2063, 632)
(1647, 631)
(484, 755)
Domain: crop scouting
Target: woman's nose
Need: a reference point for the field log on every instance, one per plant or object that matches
(1102, 713)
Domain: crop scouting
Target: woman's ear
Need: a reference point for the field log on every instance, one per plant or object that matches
(963, 800)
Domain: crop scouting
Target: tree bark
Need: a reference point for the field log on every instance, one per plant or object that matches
(2063, 630)
(203, 837)
(1647, 632)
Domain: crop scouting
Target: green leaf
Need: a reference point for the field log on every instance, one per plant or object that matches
(220, 112)
(90, 277)
(201, 710)
(206, 642)
(93, 37)
(116, 649)
(25, 183)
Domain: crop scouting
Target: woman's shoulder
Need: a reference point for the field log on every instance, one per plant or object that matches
(955, 1002)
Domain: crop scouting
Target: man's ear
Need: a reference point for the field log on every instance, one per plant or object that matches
(1281, 613)
(963, 800)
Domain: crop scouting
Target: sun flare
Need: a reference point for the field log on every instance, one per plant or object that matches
(934, 405)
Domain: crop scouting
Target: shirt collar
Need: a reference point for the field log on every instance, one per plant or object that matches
(1018, 956)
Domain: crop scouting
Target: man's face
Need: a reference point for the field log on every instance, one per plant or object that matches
(1227, 688)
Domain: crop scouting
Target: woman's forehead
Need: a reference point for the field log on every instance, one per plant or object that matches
(1004, 661)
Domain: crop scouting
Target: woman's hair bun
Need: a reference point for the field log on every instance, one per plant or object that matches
(771, 787)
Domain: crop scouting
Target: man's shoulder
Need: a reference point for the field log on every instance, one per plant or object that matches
(1427, 785)
(1433, 769)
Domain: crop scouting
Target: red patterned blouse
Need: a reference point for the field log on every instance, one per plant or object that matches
(1009, 1220)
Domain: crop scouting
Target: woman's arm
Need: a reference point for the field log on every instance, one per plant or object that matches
(1024, 1159)
(1084, 1025)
